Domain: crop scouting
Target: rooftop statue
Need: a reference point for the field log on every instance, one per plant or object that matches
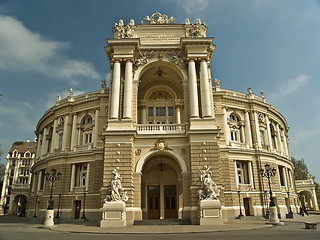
(158, 18)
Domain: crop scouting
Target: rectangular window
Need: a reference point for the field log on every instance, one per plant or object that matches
(170, 111)
(234, 135)
(88, 138)
(81, 175)
(60, 140)
(243, 172)
(150, 111)
(281, 175)
(160, 111)
(262, 138)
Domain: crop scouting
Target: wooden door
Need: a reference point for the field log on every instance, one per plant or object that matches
(153, 202)
(170, 202)
(77, 209)
(246, 203)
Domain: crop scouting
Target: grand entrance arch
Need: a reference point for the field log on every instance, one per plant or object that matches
(161, 187)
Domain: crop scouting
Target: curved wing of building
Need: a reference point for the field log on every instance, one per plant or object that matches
(162, 122)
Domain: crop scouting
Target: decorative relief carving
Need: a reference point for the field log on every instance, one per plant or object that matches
(197, 30)
(261, 118)
(216, 82)
(161, 145)
(143, 60)
(160, 95)
(158, 18)
(116, 189)
(124, 31)
(179, 61)
(209, 189)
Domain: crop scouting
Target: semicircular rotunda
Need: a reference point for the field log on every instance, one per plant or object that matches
(161, 124)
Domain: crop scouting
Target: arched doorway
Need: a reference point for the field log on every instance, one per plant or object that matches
(161, 188)
(20, 205)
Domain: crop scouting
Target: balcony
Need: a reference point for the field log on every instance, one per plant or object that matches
(151, 129)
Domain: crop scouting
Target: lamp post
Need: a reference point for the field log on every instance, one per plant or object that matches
(35, 206)
(266, 204)
(268, 173)
(84, 206)
(240, 215)
(290, 213)
(52, 177)
(58, 212)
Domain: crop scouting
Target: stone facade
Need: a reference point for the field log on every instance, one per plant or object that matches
(17, 178)
(161, 121)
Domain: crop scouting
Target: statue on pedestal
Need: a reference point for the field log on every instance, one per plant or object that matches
(208, 190)
(117, 192)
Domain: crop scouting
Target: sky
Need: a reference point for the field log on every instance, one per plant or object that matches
(48, 47)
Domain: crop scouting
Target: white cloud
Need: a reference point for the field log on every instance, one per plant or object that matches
(24, 50)
(291, 86)
(191, 6)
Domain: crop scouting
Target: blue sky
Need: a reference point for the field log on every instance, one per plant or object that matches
(47, 47)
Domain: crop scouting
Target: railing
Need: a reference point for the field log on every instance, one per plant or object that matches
(161, 128)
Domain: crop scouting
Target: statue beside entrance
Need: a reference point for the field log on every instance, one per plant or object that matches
(209, 203)
(114, 207)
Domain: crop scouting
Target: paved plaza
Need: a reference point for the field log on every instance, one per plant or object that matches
(13, 227)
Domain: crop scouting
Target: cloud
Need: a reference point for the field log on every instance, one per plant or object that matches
(24, 50)
(291, 86)
(191, 6)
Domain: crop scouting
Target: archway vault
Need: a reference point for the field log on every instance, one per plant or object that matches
(170, 153)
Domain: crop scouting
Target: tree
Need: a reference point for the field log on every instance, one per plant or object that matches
(301, 172)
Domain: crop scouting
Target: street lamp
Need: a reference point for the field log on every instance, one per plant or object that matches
(240, 215)
(290, 214)
(266, 204)
(84, 206)
(52, 177)
(268, 173)
(35, 206)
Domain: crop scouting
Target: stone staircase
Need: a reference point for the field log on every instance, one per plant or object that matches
(162, 222)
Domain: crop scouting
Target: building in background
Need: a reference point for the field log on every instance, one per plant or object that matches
(162, 121)
(17, 178)
(307, 194)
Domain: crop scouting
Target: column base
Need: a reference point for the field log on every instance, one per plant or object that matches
(49, 216)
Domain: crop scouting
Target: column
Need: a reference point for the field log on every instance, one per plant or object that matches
(73, 175)
(248, 129)
(314, 196)
(127, 105)
(74, 131)
(39, 181)
(54, 136)
(65, 133)
(38, 145)
(236, 174)
(143, 114)
(285, 177)
(96, 128)
(87, 178)
(79, 136)
(250, 175)
(285, 144)
(279, 138)
(205, 90)
(256, 122)
(193, 89)
(44, 142)
(178, 115)
(225, 126)
(269, 133)
(115, 93)
(242, 133)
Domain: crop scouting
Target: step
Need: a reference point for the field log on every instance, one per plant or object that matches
(162, 222)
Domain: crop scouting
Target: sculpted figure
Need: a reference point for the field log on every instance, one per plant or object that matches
(117, 192)
(209, 189)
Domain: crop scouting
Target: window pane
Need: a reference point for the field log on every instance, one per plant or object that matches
(160, 111)
(170, 111)
(150, 111)
(150, 203)
(167, 203)
(156, 203)
(173, 202)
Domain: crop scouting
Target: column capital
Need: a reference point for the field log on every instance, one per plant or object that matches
(191, 59)
(224, 107)
(247, 111)
(128, 60)
(114, 60)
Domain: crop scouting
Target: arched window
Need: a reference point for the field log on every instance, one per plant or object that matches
(235, 127)
(27, 154)
(86, 129)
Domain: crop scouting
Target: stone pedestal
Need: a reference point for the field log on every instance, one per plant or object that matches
(210, 212)
(273, 217)
(113, 214)
(49, 216)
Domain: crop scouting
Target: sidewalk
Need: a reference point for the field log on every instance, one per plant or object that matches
(91, 227)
